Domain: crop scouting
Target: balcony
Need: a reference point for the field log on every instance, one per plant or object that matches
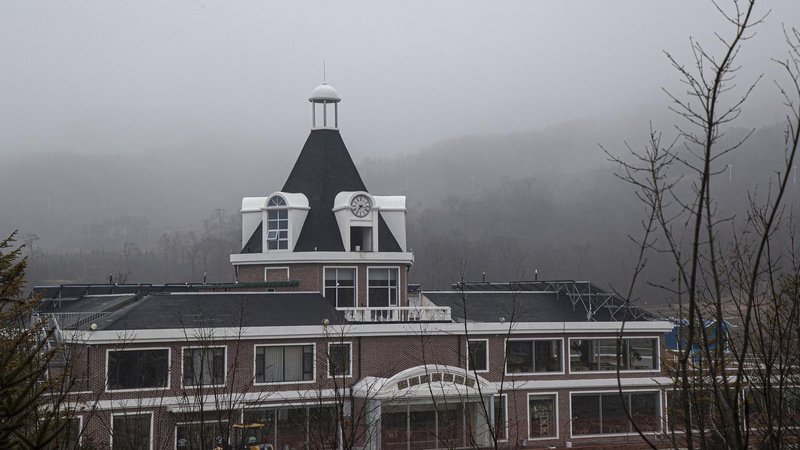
(398, 314)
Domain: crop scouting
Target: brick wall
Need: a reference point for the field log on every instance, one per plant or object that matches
(311, 278)
(377, 356)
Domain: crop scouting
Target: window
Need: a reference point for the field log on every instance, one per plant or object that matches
(197, 436)
(478, 355)
(339, 359)
(138, 369)
(542, 416)
(203, 366)
(70, 437)
(276, 364)
(601, 354)
(360, 239)
(533, 356)
(605, 413)
(500, 417)
(298, 427)
(340, 287)
(131, 432)
(382, 287)
(277, 224)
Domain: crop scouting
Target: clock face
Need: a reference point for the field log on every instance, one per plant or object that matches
(360, 205)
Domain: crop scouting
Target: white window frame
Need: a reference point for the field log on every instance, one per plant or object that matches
(267, 209)
(528, 374)
(136, 349)
(488, 365)
(355, 286)
(555, 410)
(660, 420)
(131, 413)
(349, 373)
(288, 344)
(505, 414)
(658, 353)
(208, 347)
(267, 269)
(397, 288)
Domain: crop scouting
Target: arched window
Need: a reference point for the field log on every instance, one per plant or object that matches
(277, 224)
(276, 200)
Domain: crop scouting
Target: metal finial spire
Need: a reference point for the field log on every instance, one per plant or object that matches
(324, 73)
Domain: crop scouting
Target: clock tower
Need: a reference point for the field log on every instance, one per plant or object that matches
(323, 231)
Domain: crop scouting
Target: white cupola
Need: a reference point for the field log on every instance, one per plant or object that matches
(321, 96)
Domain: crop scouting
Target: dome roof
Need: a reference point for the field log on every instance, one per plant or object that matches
(324, 92)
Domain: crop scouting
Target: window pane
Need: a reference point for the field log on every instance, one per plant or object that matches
(291, 428)
(542, 416)
(138, 369)
(339, 359)
(520, 356)
(581, 355)
(614, 418)
(130, 432)
(273, 363)
(586, 414)
(501, 422)
(477, 355)
(645, 410)
(261, 416)
(321, 426)
(547, 356)
(607, 354)
(293, 363)
(642, 354)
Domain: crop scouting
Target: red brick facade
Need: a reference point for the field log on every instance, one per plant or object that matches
(372, 356)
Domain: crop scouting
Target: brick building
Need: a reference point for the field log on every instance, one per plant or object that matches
(322, 343)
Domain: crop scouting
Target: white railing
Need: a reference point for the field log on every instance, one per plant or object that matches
(398, 314)
(73, 319)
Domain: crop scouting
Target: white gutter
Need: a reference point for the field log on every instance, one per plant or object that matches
(356, 330)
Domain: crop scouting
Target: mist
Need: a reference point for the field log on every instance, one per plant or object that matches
(126, 126)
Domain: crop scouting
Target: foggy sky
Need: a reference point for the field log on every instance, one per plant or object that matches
(106, 77)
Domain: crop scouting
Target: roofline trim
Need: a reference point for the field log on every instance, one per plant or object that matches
(355, 330)
(322, 257)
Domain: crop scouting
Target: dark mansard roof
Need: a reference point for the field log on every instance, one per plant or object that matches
(188, 310)
(324, 169)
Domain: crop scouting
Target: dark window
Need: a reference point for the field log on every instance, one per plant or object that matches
(533, 356)
(601, 354)
(340, 287)
(131, 432)
(339, 359)
(500, 419)
(478, 355)
(199, 436)
(542, 419)
(360, 239)
(605, 413)
(284, 363)
(69, 438)
(382, 287)
(138, 369)
(203, 366)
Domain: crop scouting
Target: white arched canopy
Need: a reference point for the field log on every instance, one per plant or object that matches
(425, 381)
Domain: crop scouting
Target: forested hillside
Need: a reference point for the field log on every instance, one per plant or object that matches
(505, 205)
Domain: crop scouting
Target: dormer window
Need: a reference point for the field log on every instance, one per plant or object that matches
(277, 224)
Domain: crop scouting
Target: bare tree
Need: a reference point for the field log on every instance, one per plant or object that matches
(735, 282)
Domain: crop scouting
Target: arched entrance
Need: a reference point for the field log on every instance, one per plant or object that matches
(428, 407)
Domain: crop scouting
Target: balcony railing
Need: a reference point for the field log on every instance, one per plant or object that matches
(398, 314)
(70, 320)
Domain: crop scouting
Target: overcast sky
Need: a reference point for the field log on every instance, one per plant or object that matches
(100, 76)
